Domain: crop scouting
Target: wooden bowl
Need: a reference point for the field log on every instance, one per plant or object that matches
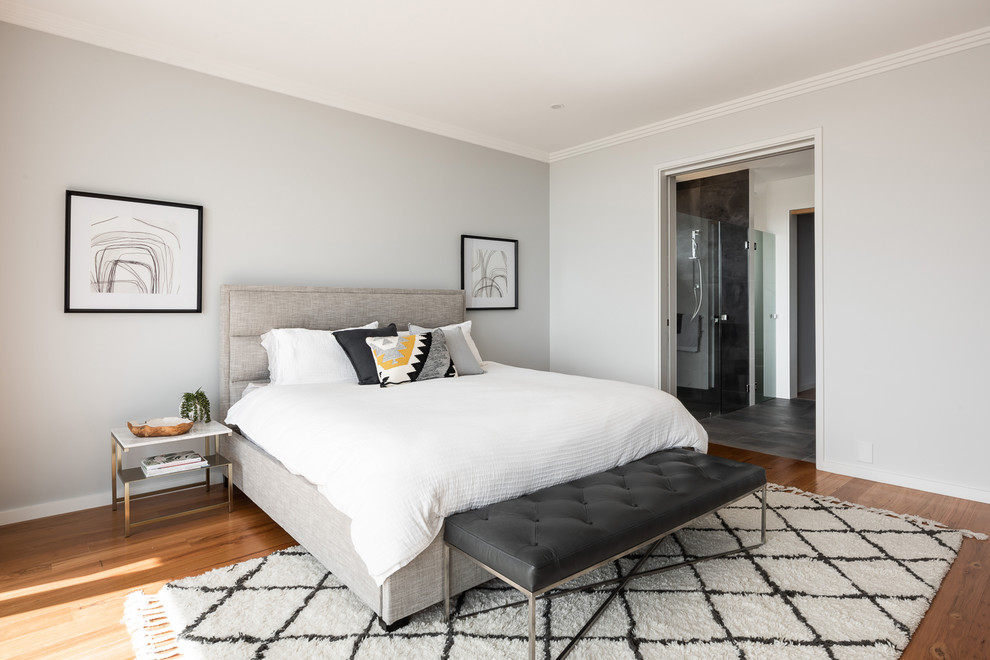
(161, 427)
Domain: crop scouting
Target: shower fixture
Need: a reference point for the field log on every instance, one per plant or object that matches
(699, 292)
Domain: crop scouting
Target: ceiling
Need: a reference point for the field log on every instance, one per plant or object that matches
(493, 73)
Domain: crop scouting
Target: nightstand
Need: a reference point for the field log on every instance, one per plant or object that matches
(122, 440)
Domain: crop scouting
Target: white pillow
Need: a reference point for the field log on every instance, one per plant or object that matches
(298, 356)
(465, 330)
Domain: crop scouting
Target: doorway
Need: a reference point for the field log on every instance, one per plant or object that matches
(754, 384)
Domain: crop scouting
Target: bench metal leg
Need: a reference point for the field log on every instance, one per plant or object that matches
(635, 573)
(615, 592)
(681, 564)
(763, 516)
(532, 627)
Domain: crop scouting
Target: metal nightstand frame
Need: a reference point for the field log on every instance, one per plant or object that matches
(122, 440)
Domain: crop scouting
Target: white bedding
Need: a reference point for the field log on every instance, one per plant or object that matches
(398, 460)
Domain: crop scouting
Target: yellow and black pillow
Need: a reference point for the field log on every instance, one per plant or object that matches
(407, 358)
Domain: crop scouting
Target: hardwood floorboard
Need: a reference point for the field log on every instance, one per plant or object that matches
(63, 579)
(956, 625)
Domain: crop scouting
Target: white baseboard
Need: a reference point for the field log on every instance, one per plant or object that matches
(896, 479)
(58, 507)
(54, 508)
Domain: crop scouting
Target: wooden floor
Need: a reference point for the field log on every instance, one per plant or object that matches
(63, 579)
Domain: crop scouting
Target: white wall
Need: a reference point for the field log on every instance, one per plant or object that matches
(772, 203)
(904, 170)
(294, 193)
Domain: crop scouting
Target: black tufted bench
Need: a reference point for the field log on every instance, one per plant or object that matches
(541, 540)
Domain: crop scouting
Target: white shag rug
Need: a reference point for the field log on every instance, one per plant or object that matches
(834, 580)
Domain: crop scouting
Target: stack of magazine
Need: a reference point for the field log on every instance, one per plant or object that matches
(175, 462)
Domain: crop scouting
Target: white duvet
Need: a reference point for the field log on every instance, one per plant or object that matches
(398, 460)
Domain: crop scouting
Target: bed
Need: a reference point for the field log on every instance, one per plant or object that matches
(298, 499)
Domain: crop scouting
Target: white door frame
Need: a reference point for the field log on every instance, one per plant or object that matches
(667, 251)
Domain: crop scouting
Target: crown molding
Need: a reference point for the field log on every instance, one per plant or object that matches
(48, 22)
(924, 53)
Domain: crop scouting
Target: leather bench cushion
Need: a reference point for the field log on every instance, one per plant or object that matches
(549, 535)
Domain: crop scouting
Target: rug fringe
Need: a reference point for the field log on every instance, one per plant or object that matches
(151, 634)
(924, 522)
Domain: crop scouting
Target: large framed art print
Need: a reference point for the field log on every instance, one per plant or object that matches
(490, 272)
(124, 254)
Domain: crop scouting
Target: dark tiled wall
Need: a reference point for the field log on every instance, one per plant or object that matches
(722, 198)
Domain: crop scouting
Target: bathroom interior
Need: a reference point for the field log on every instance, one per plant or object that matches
(745, 303)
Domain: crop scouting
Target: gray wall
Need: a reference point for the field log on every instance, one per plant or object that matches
(904, 172)
(806, 301)
(294, 193)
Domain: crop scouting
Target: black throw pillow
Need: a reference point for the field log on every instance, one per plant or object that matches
(362, 359)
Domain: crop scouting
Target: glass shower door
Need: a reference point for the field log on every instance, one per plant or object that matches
(697, 294)
(764, 314)
(712, 316)
(732, 320)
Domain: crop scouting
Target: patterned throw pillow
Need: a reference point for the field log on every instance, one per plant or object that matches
(411, 357)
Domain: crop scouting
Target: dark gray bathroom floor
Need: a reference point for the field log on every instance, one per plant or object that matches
(782, 427)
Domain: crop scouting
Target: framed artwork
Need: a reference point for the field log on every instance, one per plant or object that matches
(490, 272)
(124, 254)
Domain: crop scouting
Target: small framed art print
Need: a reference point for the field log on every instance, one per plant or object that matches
(490, 272)
(124, 254)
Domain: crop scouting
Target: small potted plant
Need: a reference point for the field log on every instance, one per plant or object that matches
(195, 406)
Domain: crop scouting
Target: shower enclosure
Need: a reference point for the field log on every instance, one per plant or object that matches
(724, 280)
(712, 315)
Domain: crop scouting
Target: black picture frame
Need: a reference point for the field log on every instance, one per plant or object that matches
(490, 272)
(128, 254)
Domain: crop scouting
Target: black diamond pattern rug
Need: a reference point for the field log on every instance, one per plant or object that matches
(834, 580)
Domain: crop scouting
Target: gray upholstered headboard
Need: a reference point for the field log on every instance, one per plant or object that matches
(247, 312)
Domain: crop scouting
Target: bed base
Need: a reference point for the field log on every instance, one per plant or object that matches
(248, 311)
(324, 531)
